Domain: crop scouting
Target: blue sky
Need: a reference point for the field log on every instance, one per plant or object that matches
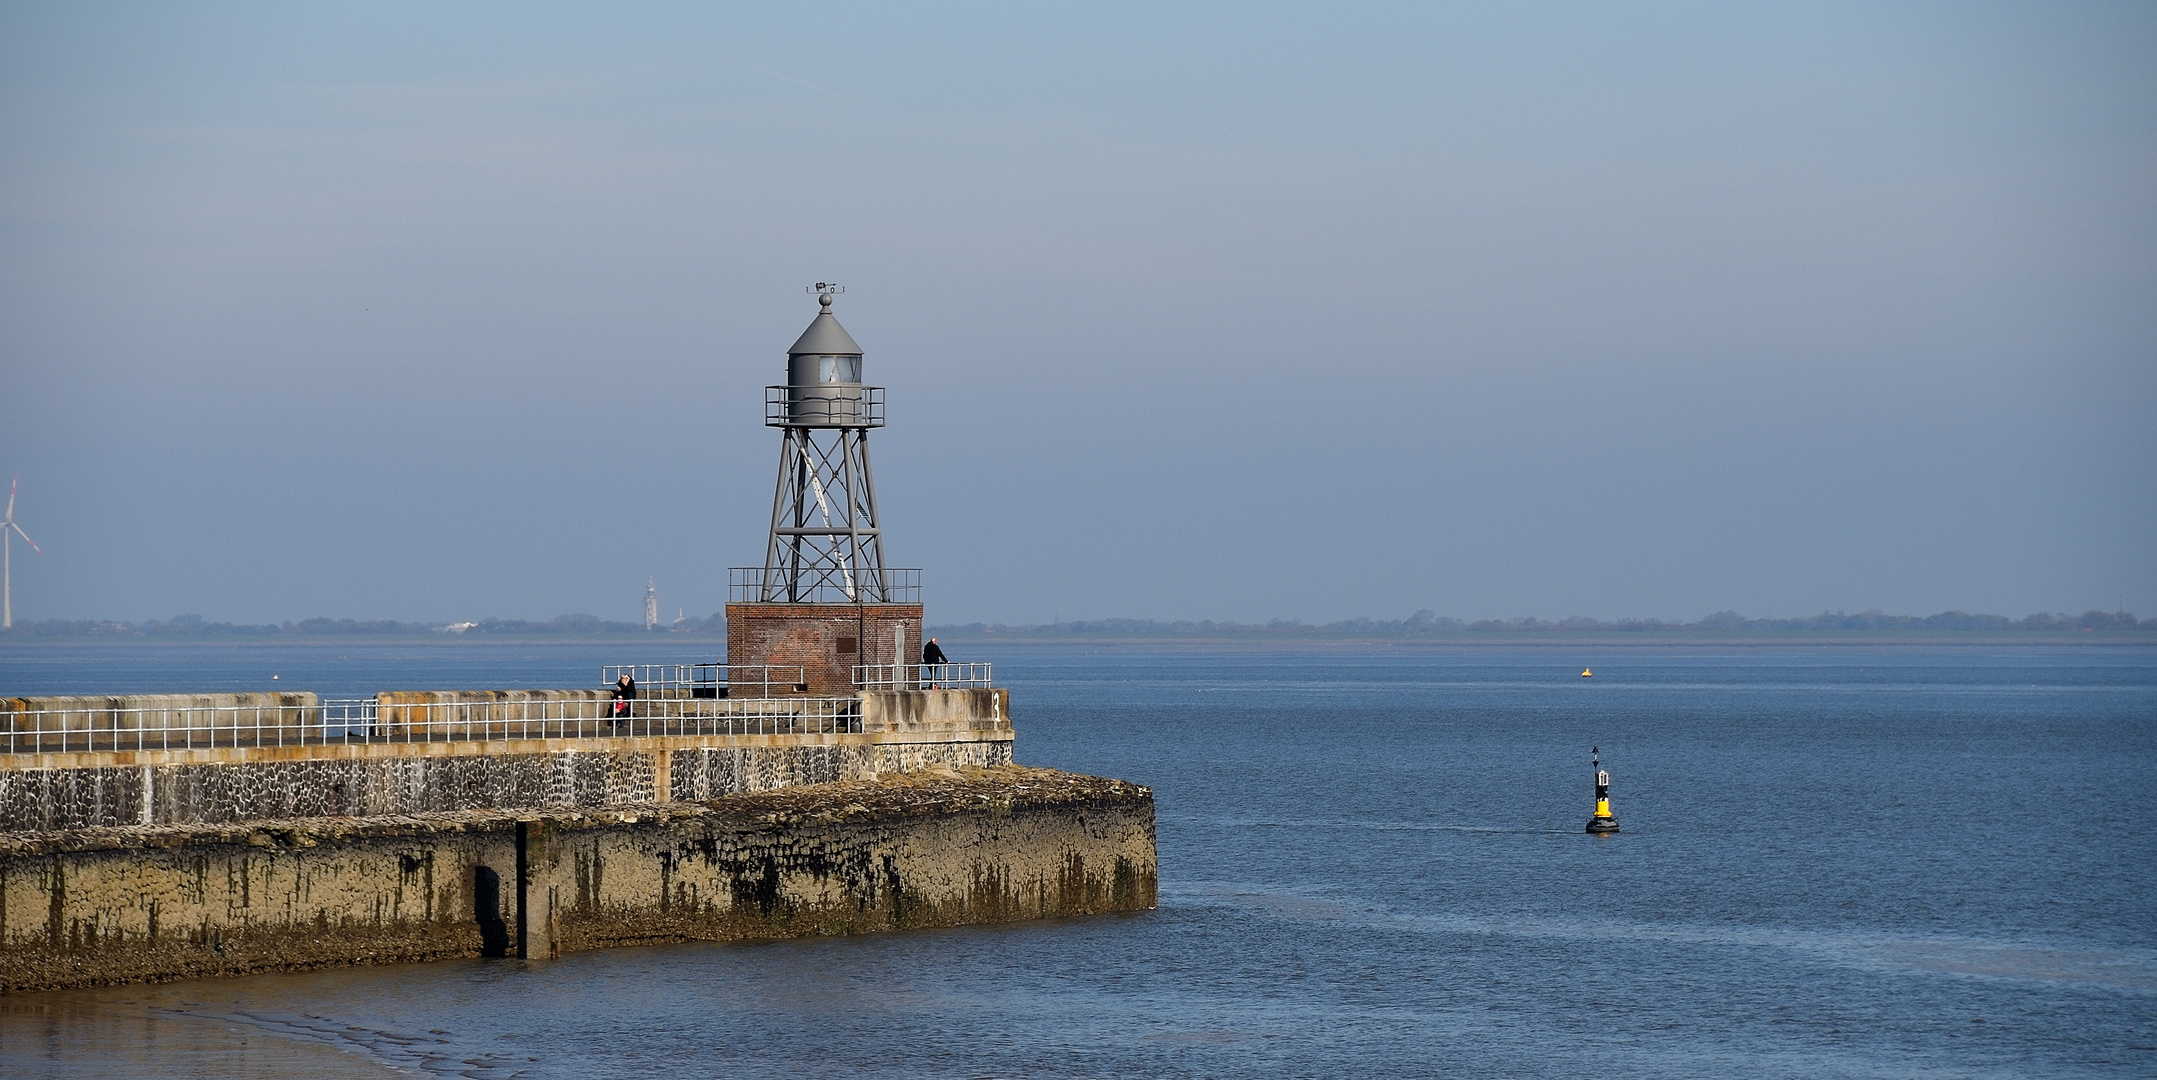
(1245, 312)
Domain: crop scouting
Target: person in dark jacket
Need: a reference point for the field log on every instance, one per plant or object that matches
(625, 691)
(930, 654)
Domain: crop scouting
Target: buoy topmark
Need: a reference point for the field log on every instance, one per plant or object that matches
(1602, 822)
(1586, 674)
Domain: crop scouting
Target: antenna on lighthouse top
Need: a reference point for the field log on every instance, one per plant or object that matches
(824, 291)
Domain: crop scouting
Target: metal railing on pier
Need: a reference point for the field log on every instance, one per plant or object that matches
(709, 680)
(921, 676)
(589, 714)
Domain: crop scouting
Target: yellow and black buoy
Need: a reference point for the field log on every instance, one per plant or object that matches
(1602, 822)
(1587, 673)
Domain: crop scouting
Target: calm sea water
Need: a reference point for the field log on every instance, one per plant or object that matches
(1837, 861)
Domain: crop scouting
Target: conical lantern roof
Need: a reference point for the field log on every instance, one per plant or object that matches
(825, 337)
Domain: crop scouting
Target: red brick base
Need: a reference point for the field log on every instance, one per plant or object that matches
(824, 640)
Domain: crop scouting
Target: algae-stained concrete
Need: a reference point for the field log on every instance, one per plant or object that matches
(938, 847)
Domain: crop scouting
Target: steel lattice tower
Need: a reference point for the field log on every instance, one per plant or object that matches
(825, 545)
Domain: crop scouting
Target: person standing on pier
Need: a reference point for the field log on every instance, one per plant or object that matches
(625, 691)
(931, 655)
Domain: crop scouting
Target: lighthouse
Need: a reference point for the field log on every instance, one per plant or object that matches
(1602, 822)
(824, 601)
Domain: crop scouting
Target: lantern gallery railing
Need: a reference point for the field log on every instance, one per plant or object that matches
(545, 715)
(824, 405)
(709, 680)
(920, 676)
(823, 585)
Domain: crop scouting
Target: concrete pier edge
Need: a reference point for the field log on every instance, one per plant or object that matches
(937, 847)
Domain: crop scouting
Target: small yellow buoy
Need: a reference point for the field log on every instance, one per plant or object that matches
(1586, 674)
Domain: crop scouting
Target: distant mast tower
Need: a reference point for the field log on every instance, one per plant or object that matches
(651, 604)
(824, 600)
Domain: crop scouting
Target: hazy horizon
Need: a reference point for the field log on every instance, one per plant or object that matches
(432, 314)
(1422, 619)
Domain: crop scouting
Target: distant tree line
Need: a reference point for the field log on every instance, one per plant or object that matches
(194, 626)
(1430, 623)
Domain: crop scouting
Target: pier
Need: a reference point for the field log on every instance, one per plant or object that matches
(819, 781)
(153, 837)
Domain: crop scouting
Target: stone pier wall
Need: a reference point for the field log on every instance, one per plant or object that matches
(939, 847)
(595, 773)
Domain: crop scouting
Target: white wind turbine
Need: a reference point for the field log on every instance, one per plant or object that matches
(8, 532)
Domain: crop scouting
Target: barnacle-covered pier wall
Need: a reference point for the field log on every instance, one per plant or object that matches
(931, 847)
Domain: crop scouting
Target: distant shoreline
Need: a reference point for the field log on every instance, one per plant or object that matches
(715, 644)
(325, 641)
(1422, 628)
(1609, 639)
